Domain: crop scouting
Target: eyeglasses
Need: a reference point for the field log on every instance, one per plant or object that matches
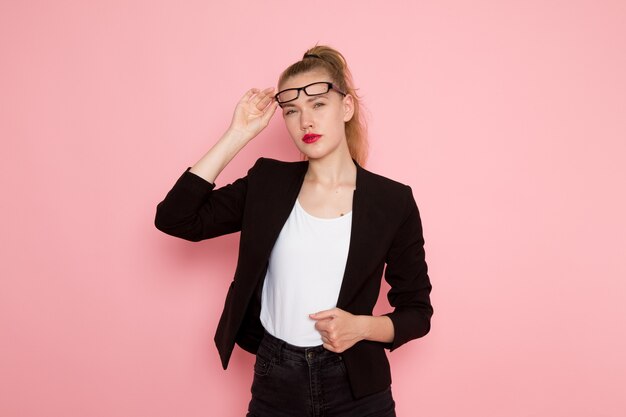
(314, 89)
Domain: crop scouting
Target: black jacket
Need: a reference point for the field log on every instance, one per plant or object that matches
(386, 230)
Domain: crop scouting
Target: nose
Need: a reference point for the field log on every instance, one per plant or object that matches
(306, 121)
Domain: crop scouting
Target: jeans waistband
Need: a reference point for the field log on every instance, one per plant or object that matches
(299, 353)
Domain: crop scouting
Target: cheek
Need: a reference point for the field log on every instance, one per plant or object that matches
(338, 122)
(289, 123)
(292, 126)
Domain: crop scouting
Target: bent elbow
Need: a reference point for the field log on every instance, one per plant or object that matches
(162, 221)
(174, 227)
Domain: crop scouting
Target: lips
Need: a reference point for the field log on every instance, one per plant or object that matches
(310, 138)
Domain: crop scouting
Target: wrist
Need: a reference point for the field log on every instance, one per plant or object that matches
(366, 327)
(377, 328)
(235, 137)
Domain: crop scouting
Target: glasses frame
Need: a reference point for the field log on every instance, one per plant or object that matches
(330, 85)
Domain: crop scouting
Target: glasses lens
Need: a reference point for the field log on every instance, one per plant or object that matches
(287, 95)
(317, 88)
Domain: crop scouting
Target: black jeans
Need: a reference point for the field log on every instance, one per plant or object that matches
(292, 381)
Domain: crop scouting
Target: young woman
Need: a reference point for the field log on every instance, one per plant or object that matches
(316, 236)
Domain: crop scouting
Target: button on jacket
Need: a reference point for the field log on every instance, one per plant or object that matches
(386, 236)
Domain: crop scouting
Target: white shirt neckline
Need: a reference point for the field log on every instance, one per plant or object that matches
(323, 219)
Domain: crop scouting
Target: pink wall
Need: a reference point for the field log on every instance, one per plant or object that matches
(508, 119)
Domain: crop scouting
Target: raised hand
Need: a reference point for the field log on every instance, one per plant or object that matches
(253, 112)
(252, 115)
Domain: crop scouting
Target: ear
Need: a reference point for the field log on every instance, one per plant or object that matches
(348, 108)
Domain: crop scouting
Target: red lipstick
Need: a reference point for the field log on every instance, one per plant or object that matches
(310, 138)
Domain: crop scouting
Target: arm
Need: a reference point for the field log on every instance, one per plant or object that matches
(251, 116)
(407, 274)
(192, 210)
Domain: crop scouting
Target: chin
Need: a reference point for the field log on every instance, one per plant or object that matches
(309, 153)
(314, 155)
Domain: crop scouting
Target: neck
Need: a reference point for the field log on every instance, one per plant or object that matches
(334, 168)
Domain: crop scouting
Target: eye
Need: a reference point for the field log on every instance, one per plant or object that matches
(318, 104)
(289, 112)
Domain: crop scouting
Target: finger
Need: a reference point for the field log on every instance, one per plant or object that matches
(320, 326)
(249, 95)
(328, 346)
(251, 92)
(264, 102)
(325, 329)
(263, 98)
(325, 314)
(333, 348)
(269, 112)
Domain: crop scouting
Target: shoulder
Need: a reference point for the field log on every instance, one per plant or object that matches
(391, 201)
(384, 187)
(270, 173)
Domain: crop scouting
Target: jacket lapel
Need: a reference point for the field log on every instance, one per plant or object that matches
(279, 205)
(359, 240)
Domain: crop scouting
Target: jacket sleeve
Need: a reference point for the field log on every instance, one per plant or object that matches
(194, 210)
(407, 274)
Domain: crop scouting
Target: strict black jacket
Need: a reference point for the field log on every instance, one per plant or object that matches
(386, 230)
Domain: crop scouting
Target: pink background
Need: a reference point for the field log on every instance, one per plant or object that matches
(507, 118)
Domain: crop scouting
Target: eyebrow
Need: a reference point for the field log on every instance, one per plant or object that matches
(309, 99)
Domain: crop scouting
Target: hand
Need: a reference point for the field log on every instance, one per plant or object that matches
(340, 330)
(253, 112)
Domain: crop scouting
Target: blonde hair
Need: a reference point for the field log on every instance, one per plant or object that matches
(333, 62)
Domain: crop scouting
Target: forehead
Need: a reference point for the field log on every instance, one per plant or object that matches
(305, 78)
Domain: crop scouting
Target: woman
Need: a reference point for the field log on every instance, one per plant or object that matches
(315, 238)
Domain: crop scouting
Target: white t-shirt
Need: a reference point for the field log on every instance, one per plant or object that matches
(304, 275)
